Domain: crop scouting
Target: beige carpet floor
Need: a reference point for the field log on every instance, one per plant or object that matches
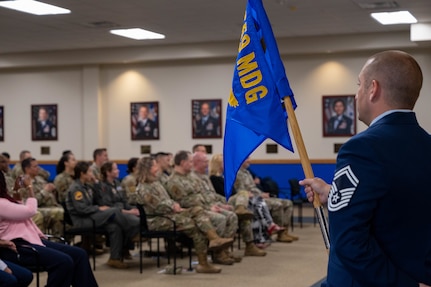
(298, 264)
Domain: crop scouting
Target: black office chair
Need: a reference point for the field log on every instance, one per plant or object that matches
(168, 235)
(37, 268)
(70, 231)
(295, 190)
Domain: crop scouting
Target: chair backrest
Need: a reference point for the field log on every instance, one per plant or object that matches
(295, 188)
(269, 185)
(142, 217)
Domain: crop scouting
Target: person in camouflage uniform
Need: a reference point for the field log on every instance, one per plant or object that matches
(80, 204)
(193, 221)
(281, 209)
(187, 190)
(240, 203)
(17, 170)
(262, 224)
(51, 211)
(100, 156)
(64, 178)
(162, 159)
(129, 181)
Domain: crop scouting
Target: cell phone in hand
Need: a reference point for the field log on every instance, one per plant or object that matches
(21, 181)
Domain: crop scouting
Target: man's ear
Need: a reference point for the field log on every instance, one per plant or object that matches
(374, 92)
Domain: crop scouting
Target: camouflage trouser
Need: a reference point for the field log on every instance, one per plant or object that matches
(52, 219)
(240, 198)
(281, 210)
(218, 221)
(231, 223)
(193, 222)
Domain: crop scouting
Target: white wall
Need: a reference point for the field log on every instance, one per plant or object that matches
(94, 100)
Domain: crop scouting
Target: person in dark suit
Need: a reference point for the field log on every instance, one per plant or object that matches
(205, 124)
(45, 128)
(340, 124)
(378, 207)
(146, 128)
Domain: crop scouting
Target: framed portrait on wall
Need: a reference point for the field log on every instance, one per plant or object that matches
(144, 120)
(1, 123)
(44, 122)
(206, 119)
(339, 116)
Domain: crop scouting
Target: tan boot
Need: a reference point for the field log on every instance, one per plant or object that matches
(252, 250)
(233, 256)
(117, 263)
(204, 266)
(283, 237)
(216, 242)
(220, 257)
(293, 237)
(243, 213)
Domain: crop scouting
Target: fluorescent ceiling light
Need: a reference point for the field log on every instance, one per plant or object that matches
(33, 7)
(137, 34)
(391, 18)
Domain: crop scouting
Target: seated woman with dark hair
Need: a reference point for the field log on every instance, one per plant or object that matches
(66, 265)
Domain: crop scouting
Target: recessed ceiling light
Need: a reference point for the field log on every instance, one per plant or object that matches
(33, 7)
(137, 34)
(392, 18)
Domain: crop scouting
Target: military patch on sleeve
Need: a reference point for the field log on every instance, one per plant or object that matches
(343, 188)
(78, 195)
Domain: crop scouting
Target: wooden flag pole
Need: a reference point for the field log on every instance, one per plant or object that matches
(306, 166)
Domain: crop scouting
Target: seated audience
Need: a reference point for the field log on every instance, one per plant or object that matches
(262, 223)
(129, 181)
(17, 169)
(13, 275)
(111, 194)
(4, 167)
(164, 163)
(194, 221)
(80, 204)
(244, 215)
(45, 193)
(186, 189)
(66, 265)
(64, 178)
(281, 209)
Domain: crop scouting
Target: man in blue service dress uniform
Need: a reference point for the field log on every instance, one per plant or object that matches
(378, 204)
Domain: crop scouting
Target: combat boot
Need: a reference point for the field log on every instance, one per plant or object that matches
(233, 256)
(252, 250)
(204, 266)
(293, 237)
(283, 236)
(220, 257)
(216, 242)
(243, 213)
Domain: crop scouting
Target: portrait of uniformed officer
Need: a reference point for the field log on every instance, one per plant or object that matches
(144, 121)
(206, 120)
(44, 122)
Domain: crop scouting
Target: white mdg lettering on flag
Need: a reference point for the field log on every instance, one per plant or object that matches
(343, 188)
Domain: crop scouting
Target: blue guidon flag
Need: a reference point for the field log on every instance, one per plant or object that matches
(255, 108)
(342, 189)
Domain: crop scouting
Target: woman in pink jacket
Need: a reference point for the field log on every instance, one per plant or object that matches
(66, 265)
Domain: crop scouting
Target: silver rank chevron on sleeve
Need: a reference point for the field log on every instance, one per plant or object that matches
(342, 189)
